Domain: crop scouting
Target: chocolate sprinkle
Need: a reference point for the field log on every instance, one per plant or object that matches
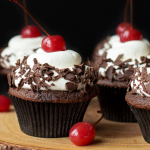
(71, 87)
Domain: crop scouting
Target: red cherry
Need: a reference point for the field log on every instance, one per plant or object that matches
(121, 27)
(82, 133)
(4, 103)
(130, 35)
(30, 31)
(53, 43)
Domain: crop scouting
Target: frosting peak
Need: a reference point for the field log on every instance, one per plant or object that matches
(60, 59)
(19, 47)
(132, 49)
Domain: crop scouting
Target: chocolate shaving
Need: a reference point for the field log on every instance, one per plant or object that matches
(148, 88)
(148, 77)
(35, 61)
(69, 76)
(56, 77)
(87, 88)
(109, 73)
(52, 84)
(36, 66)
(71, 87)
(128, 73)
(20, 84)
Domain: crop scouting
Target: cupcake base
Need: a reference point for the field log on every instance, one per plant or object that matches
(113, 104)
(143, 118)
(48, 120)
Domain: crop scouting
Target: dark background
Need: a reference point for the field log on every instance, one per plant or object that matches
(82, 23)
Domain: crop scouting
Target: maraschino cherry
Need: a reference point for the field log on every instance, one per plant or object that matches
(4, 103)
(49, 43)
(121, 27)
(53, 43)
(83, 133)
(30, 31)
(130, 33)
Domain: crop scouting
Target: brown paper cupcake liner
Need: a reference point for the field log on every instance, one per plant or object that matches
(113, 104)
(48, 120)
(143, 118)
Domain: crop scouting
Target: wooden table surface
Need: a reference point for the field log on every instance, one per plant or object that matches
(109, 135)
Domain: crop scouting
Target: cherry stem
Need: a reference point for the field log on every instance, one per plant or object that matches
(131, 3)
(99, 119)
(16, 1)
(25, 14)
(125, 12)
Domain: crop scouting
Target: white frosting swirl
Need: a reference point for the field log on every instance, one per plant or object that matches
(132, 49)
(19, 47)
(60, 59)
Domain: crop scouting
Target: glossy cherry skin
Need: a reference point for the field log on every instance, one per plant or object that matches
(130, 35)
(82, 133)
(4, 103)
(30, 31)
(121, 27)
(53, 43)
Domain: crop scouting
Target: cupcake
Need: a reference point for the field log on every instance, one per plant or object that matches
(138, 97)
(19, 46)
(51, 91)
(114, 59)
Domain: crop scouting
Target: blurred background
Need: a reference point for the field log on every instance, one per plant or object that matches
(82, 23)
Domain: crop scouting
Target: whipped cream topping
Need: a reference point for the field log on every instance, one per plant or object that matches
(19, 47)
(62, 59)
(132, 49)
(140, 81)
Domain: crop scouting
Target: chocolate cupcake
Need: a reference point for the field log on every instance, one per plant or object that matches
(138, 97)
(51, 91)
(113, 81)
(114, 71)
(18, 47)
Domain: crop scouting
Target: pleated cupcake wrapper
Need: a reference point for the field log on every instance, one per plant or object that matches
(113, 104)
(48, 120)
(143, 118)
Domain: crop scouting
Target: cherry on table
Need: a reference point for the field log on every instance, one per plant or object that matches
(130, 34)
(30, 31)
(121, 27)
(4, 103)
(82, 133)
(53, 43)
